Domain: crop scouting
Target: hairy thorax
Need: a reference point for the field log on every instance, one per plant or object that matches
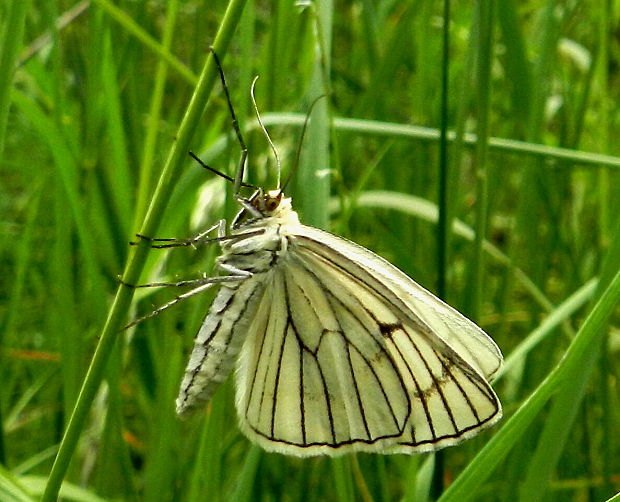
(266, 242)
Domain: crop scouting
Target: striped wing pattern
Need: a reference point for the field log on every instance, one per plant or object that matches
(346, 353)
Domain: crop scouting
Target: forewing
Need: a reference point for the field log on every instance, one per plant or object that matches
(451, 400)
(312, 378)
(442, 357)
(445, 327)
(336, 361)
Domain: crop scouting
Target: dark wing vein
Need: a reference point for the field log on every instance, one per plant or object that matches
(418, 392)
(277, 382)
(252, 383)
(345, 362)
(339, 307)
(445, 355)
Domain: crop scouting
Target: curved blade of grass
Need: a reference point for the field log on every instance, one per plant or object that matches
(428, 211)
(68, 492)
(375, 127)
(11, 488)
(560, 314)
(136, 261)
(136, 30)
(586, 340)
(567, 402)
(615, 498)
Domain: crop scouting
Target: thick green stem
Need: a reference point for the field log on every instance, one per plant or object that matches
(136, 261)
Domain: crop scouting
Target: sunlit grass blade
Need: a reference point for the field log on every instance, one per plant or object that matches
(134, 266)
(583, 347)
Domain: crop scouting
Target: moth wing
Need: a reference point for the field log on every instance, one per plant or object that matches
(446, 326)
(336, 362)
(306, 388)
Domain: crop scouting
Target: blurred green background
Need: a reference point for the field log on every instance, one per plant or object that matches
(92, 95)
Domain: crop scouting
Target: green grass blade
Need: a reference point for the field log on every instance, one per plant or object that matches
(566, 404)
(10, 44)
(247, 475)
(12, 39)
(132, 272)
(615, 498)
(148, 153)
(11, 489)
(560, 314)
(343, 479)
(562, 157)
(132, 27)
(314, 170)
(485, 10)
(582, 348)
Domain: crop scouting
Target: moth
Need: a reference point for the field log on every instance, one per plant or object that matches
(336, 350)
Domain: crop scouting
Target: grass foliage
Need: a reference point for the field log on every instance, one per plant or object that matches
(100, 102)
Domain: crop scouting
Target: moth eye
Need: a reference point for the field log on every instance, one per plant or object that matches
(272, 204)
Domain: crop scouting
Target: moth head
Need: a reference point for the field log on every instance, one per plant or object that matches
(261, 205)
(267, 203)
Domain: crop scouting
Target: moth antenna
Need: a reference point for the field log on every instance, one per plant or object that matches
(260, 122)
(301, 140)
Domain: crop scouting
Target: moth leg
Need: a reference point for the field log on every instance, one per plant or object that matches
(174, 242)
(202, 285)
(238, 181)
(199, 239)
(247, 205)
(237, 272)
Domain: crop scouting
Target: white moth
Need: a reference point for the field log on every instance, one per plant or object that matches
(336, 350)
(339, 350)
